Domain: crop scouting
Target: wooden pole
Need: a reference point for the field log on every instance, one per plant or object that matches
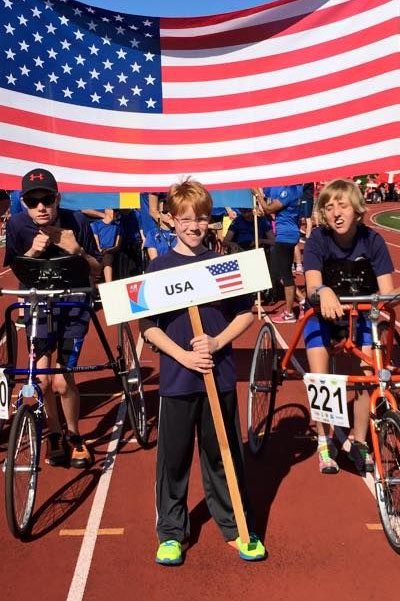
(257, 246)
(229, 468)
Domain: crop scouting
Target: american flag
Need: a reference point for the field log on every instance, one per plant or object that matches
(227, 275)
(293, 91)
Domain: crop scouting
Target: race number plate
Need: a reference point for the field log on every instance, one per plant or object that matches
(3, 395)
(327, 396)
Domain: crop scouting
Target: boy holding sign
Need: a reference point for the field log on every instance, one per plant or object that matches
(342, 257)
(185, 409)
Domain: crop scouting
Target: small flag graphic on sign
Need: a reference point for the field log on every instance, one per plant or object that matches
(136, 296)
(227, 275)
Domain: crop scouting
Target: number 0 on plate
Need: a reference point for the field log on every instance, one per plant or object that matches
(327, 396)
(3, 395)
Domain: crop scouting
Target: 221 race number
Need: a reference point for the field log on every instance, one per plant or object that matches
(3, 396)
(327, 396)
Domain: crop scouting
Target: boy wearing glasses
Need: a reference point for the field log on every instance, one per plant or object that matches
(45, 231)
(184, 410)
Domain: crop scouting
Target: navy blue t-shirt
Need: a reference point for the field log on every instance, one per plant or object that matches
(176, 380)
(21, 231)
(243, 230)
(367, 244)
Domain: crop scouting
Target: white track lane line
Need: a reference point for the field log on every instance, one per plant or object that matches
(367, 478)
(84, 561)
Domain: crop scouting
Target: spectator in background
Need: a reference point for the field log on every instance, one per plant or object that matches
(151, 204)
(306, 211)
(15, 202)
(93, 214)
(160, 240)
(108, 240)
(130, 261)
(4, 204)
(285, 205)
(307, 206)
(241, 235)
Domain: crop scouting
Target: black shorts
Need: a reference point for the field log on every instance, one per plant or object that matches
(282, 255)
(68, 349)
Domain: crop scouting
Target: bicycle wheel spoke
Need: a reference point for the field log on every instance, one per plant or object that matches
(21, 471)
(389, 485)
(262, 389)
(132, 385)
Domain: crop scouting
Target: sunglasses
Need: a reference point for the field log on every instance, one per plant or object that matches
(32, 203)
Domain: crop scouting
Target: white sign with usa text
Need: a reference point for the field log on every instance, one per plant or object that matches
(185, 286)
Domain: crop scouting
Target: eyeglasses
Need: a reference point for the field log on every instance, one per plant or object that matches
(32, 202)
(185, 222)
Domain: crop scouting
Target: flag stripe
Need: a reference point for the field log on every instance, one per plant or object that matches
(223, 160)
(158, 138)
(263, 28)
(312, 109)
(371, 158)
(283, 58)
(228, 278)
(330, 82)
(276, 94)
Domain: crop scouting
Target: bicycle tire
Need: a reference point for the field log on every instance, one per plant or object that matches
(21, 471)
(263, 382)
(388, 487)
(8, 358)
(132, 385)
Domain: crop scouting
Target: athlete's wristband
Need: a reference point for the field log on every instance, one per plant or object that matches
(319, 288)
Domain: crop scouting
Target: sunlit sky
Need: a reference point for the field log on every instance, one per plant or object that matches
(175, 8)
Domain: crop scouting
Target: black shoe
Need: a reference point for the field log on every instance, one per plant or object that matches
(56, 453)
(80, 457)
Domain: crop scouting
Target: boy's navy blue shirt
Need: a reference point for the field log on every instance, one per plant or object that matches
(175, 379)
(368, 244)
(21, 230)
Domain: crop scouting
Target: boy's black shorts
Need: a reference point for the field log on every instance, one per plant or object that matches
(68, 349)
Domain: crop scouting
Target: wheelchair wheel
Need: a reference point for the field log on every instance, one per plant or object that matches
(8, 356)
(132, 384)
(21, 471)
(262, 388)
(388, 487)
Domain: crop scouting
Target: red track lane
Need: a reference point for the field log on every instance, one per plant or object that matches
(315, 526)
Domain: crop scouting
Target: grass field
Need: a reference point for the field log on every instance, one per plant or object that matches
(389, 219)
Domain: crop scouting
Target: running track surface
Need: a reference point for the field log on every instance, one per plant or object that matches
(94, 538)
